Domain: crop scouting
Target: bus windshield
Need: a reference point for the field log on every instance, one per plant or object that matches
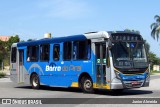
(129, 55)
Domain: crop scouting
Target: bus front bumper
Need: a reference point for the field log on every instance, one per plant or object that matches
(119, 84)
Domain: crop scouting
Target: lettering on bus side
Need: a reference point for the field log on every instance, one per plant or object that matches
(75, 68)
(63, 68)
(54, 68)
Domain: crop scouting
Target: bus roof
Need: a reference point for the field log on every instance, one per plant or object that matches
(89, 35)
(93, 35)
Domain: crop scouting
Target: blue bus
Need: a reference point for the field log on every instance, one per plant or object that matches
(95, 60)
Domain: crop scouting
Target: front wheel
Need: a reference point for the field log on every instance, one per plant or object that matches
(35, 81)
(87, 85)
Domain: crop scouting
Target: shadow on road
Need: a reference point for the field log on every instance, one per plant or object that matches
(47, 88)
(126, 92)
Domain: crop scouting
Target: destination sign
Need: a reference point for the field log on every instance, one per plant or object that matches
(126, 37)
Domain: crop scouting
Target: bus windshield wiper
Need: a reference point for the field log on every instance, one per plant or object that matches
(124, 48)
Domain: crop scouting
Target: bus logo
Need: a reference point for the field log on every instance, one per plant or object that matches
(53, 68)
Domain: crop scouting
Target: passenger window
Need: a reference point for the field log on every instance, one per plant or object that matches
(67, 49)
(13, 55)
(107, 58)
(32, 53)
(104, 53)
(56, 51)
(44, 52)
(82, 50)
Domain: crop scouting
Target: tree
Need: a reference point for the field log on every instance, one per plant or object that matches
(3, 51)
(12, 39)
(155, 28)
(30, 40)
(5, 48)
(129, 30)
(153, 58)
(147, 46)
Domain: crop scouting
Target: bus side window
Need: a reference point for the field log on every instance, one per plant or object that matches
(104, 54)
(82, 50)
(88, 50)
(44, 52)
(56, 50)
(107, 59)
(13, 55)
(67, 49)
(32, 53)
(75, 50)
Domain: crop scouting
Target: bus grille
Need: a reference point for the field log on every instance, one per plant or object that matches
(130, 85)
(132, 71)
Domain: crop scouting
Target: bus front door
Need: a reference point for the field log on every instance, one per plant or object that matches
(100, 51)
(21, 66)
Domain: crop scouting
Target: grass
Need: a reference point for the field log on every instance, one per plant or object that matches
(153, 72)
(2, 74)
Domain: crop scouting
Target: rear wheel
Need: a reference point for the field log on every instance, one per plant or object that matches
(86, 85)
(35, 81)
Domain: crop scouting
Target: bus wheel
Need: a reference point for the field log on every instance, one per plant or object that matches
(35, 81)
(87, 85)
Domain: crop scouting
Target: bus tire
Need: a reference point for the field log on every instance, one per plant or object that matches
(86, 84)
(35, 81)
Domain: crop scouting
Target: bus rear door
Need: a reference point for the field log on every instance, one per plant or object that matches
(13, 64)
(21, 65)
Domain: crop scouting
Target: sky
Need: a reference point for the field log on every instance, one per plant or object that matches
(31, 19)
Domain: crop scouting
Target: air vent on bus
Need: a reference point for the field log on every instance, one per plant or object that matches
(47, 35)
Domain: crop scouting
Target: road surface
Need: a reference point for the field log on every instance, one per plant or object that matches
(9, 89)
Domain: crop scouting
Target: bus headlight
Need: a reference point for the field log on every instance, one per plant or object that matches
(116, 71)
(117, 74)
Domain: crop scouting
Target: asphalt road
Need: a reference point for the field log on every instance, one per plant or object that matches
(9, 89)
(155, 76)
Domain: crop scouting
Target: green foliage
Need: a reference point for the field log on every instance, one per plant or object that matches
(22, 41)
(147, 46)
(2, 50)
(155, 27)
(153, 59)
(6, 60)
(154, 71)
(2, 74)
(5, 48)
(129, 30)
(29, 40)
(12, 40)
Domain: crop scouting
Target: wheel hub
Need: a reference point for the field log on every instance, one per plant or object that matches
(35, 81)
(87, 84)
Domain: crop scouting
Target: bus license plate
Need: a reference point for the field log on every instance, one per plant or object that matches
(134, 82)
